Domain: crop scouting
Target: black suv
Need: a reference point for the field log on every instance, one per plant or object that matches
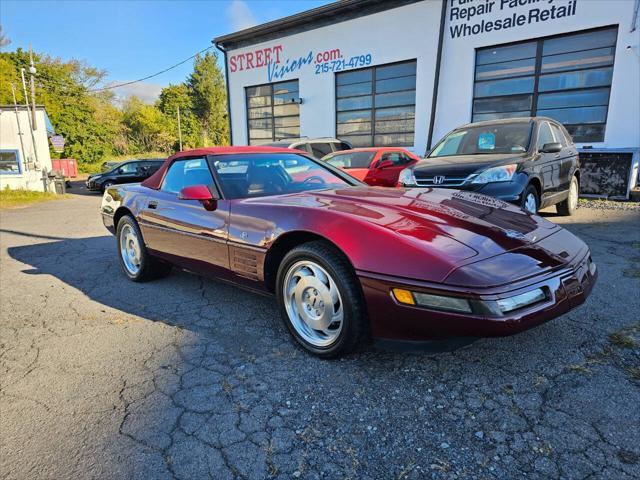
(531, 162)
(132, 171)
(318, 147)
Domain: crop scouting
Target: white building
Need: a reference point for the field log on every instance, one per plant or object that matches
(406, 72)
(23, 157)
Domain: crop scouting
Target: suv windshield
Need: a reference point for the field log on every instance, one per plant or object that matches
(260, 175)
(485, 139)
(350, 159)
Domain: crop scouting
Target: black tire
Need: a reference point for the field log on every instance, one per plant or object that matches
(355, 324)
(151, 268)
(105, 185)
(569, 206)
(530, 192)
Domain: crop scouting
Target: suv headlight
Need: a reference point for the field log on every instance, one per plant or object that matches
(496, 174)
(406, 177)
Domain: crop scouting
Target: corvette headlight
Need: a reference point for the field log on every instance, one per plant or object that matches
(437, 302)
(406, 177)
(496, 174)
(523, 300)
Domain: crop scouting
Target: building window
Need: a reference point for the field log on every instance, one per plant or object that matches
(566, 77)
(376, 106)
(9, 162)
(273, 112)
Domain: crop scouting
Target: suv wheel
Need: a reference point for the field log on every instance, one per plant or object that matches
(530, 201)
(321, 300)
(569, 206)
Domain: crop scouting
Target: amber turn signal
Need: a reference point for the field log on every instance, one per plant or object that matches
(403, 296)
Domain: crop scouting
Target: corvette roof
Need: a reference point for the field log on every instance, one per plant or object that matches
(155, 180)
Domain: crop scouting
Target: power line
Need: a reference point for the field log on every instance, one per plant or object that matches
(150, 76)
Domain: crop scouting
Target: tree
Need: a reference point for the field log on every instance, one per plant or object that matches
(88, 121)
(148, 130)
(170, 99)
(4, 40)
(209, 99)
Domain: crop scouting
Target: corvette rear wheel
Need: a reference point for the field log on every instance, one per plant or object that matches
(136, 262)
(321, 300)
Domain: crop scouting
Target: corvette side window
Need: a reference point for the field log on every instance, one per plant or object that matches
(186, 173)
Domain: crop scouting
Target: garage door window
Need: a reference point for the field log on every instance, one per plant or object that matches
(566, 77)
(273, 112)
(9, 162)
(376, 106)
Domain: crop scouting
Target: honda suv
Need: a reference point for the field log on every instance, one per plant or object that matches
(531, 162)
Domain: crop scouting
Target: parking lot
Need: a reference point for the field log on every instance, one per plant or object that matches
(191, 378)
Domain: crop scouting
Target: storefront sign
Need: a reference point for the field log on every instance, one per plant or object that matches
(278, 66)
(468, 18)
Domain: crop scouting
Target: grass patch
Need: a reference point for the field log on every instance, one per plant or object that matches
(626, 337)
(634, 373)
(21, 198)
(623, 339)
(632, 273)
(578, 368)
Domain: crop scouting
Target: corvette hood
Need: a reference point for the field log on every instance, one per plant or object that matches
(486, 225)
(421, 234)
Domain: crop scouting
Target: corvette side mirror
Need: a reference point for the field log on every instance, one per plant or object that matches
(200, 193)
(553, 147)
(385, 164)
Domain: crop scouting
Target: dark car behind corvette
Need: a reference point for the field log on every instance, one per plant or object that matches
(132, 171)
(531, 162)
(347, 261)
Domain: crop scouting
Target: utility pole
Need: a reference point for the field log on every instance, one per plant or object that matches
(15, 104)
(26, 103)
(32, 71)
(179, 130)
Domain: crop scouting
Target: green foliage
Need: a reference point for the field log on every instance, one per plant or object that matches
(209, 99)
(95, 127)
(170, 99)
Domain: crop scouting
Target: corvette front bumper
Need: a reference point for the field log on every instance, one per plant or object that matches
(390, 320)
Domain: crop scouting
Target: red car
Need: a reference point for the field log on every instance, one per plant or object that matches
(348, 261)
(379, 167)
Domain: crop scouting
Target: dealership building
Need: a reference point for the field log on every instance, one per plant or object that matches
(406, 72)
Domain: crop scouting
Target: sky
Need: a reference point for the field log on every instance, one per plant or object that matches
(133, 39)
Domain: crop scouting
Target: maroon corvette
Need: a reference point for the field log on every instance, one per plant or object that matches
(347, 261)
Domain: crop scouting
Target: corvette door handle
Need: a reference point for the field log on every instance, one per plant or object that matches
(153, 204)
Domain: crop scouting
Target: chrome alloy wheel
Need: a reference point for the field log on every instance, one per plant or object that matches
(313, 303)
(130, 249)
(573, 194)
(530, 204)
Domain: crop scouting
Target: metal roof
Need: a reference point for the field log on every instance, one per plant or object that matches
(329, 14)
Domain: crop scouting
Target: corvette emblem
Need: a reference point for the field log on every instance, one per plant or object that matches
(438, 180)
(515, 234)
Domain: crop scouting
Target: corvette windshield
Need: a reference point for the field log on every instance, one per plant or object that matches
(486, 139)
(260, 175)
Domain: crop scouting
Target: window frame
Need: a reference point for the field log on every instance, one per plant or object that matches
(205, 158)
(372, 109)
(18, 161)
(538, 73)
(272, 107)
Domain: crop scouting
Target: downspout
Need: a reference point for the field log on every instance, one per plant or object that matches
(226, 81)
(436, 80)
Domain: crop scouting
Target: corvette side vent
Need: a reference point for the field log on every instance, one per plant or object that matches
(244, 263)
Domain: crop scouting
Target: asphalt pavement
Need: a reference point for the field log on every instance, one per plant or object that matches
(191, 378)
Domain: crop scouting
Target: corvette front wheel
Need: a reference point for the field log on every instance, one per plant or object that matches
(321, 300)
